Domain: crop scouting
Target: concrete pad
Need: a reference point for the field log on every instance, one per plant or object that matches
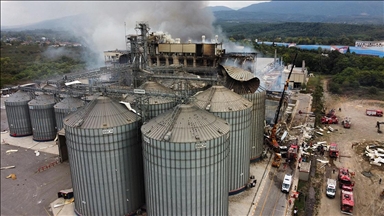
(27, 142)
(66, 209)
(32, 191)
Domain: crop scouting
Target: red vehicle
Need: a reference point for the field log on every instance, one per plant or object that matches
(346, 122)
(333, 150)
(292, 151)
(329, 120)
(345, 178)
(372, 112)
(347, 201)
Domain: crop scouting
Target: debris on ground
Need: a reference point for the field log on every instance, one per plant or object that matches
(376, 158)
(7, 167)
(37, 153)
(11, 151)
(12, 176)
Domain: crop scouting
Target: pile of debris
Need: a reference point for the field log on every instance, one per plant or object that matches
(375, 153)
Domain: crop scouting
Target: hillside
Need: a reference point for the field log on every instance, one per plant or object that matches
(353, 12)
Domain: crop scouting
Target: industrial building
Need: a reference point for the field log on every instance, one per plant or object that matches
(172, 131)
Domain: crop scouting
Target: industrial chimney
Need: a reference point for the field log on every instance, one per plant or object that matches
(203, 39)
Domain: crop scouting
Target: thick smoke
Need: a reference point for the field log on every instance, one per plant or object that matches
(105, 29)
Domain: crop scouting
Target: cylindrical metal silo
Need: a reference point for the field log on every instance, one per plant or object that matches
(65, 107)
(105, 158)
(16, 107)
(235, 109)
(186, 159)
(257, 123)
(42, 116)
(152, 105)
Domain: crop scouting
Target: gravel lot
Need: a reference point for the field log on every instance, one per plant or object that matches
(362, 132)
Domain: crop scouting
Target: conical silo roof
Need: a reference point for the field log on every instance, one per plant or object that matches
(155, 87)
(43, 99)
(185, 123)
(220, 99)
(19, 96)
(68, 103)
(102, 112)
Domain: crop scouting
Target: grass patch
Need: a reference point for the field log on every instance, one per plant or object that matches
(300, 202)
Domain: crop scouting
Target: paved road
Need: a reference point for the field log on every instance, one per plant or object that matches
(272, 201)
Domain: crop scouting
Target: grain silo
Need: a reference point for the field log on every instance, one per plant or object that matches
(105, 158)
(42, 116)
(65, 107)
(163, 99)
(186, 159)
(257, 122)
(246, 84)
(235, 109)
(19, 121)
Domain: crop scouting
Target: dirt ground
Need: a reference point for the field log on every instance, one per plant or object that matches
(363, 132)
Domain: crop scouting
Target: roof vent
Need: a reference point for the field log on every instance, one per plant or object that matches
(197, 137)
(220, 131)
(168, 136)
(208, 107)
(229, 108)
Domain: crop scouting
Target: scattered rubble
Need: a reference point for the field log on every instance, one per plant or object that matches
(11, 151)
(7, 167)
(12, 176)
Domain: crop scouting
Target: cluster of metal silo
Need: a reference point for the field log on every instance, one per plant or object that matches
(152, 105)
(257, 122)
(42, 116)
(64, 108)
(186, 159)
(19, 121)
(105, 155)
(235, 109)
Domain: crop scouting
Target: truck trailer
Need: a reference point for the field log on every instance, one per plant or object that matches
(372, 112)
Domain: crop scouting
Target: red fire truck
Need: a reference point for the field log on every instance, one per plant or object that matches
(347, 201)
(345, 178)
(333, 150)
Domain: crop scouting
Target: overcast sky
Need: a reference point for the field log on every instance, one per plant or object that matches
(27, 12)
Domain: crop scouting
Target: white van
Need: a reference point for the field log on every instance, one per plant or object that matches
(331, 188)
(287, 182)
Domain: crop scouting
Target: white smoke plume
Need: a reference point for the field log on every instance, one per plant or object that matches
(105, 29)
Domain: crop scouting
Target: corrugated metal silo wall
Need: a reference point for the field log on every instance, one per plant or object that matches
(183, 180)
(240, 122)
(257, 124)
(61, 113)
(19, 120)
(59, 116)
(106, 170)
(43, 122)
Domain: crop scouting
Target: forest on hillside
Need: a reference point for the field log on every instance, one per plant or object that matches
(302, 33)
